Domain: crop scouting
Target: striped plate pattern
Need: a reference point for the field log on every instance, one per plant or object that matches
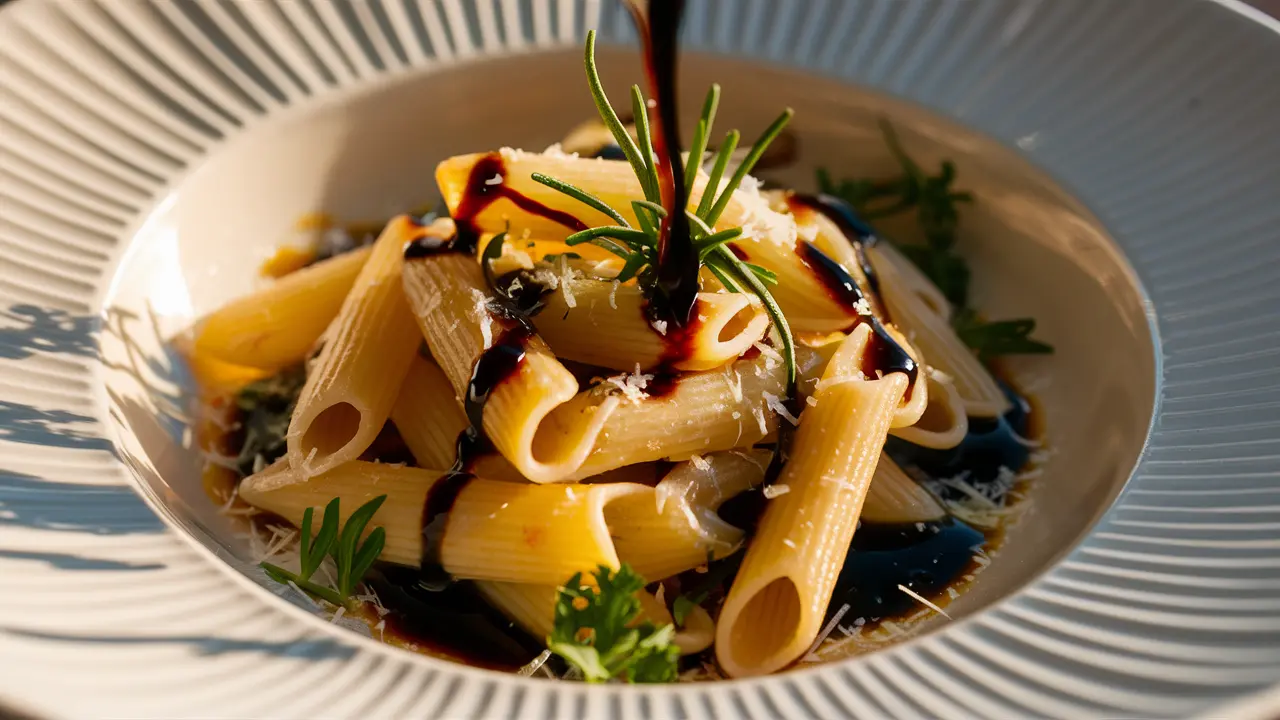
(1159, 114)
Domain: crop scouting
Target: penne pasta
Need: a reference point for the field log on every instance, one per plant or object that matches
(696, 413)
(775, 607)
(768, 239)
(650, 377)
(533, 413)
(943, 424)
(428, 416)
(350, 390)
(894, 497)
(278, 325)
(602, 322)
(492, 530)
(676, 528)
(921, 311)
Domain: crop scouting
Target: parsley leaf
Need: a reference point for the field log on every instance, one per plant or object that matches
(935, 203)
(596, 630)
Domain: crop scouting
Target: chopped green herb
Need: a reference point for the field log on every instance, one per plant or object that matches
(595, 630)
(935, 204)
(266, 407)
(351, 557)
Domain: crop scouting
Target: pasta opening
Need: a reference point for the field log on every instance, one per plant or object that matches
(766, 625)
(737, 324)
(937, 417)
(331, 430)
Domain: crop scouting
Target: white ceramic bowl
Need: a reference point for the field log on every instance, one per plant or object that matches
(155, 153)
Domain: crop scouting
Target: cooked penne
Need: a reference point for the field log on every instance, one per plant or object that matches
(534, 414)
(914, 303)
(350, 391)
(532, 607)
(606, 325)
(492, 530)
(685, 530)
(278, 325)
(943, 424)
(428, 415)
(646, 376)
(893, 497)
(775, 607)
(768, 239)
(696, 413)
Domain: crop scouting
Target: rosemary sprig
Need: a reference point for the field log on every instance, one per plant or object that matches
(352, 557)
(638, 247)
(936, 206)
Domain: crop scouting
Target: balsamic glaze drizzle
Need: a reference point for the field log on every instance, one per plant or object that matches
(478, 195)
(885, 354)
(677, 269)
(861, 236)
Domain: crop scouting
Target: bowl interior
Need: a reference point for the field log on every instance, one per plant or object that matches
(1035, 251)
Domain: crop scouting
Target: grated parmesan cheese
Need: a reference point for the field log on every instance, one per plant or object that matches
(789, 543)
(779, 407)
(776, 490)
(661, 327)
(495, 180)
(916, 596)
(613, 295)
(826, 632)
(566, 277)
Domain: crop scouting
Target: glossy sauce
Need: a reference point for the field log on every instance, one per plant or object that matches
(677, 271)
(885, 354)
(479, 194)
(859, 234)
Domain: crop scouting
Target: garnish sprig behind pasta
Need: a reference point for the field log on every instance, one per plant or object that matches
(640, 247)
(341, 540)
(595, 630)
(936, 204)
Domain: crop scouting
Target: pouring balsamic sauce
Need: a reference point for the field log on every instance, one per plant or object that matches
(677, 271)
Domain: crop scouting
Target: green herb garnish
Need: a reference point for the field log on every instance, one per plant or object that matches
(352, 557)
(935, 204)
(638, 247)
(1001, 337)
(595, 631)
(266, 407)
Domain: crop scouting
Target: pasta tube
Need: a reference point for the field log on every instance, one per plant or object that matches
(533, 414)
(921, 311)
(702, 413)
(685, 528)
(428, 416)
(602, 322)
(768, 239)
(894, 497)
(277, 326)
(350, 390)
(943, 424)
(775, 607)
(492, 530)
